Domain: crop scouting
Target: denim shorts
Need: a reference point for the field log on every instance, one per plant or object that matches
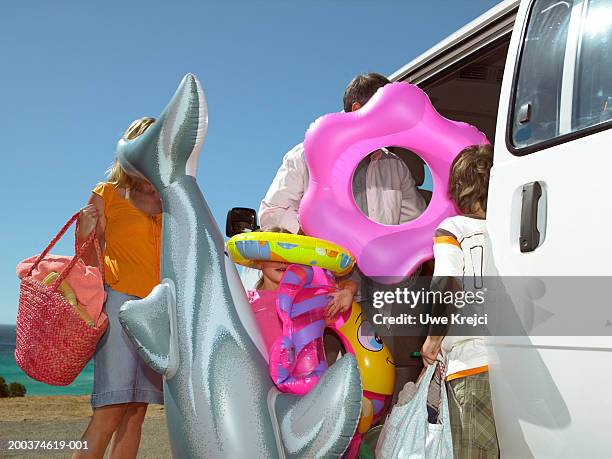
(120, 374)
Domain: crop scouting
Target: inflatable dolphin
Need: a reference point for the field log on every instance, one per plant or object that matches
(197, 329)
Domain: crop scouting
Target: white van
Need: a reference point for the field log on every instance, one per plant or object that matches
(536, 77)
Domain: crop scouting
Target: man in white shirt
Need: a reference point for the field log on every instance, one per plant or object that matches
(383, 185)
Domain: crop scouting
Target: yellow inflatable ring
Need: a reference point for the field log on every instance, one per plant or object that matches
(248, 248)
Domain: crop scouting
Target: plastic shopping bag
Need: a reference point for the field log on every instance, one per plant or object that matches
(407, 432)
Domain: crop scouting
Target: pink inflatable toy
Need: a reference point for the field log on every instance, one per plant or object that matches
(399, 114)
(297, 358)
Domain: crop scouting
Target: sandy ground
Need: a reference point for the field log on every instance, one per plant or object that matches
(65, 418)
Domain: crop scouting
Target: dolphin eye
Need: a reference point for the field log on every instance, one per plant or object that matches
(368, 338)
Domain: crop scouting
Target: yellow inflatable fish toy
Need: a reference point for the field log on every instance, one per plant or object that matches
(376, 365)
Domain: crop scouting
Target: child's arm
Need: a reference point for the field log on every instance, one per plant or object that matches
(448, 269)
(343, 298)
(431, 349)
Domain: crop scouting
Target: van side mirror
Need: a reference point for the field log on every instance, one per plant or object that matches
(240, 220)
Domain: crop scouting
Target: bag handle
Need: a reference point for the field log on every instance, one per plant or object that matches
(57, 237)
(77, 250)
(92, 237)
(424, 383)
(443, 407)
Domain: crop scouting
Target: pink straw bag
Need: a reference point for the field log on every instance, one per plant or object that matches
(54, 341)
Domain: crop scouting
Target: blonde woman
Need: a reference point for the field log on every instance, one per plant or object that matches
(126, 212)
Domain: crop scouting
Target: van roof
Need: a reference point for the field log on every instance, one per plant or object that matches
(496, 22)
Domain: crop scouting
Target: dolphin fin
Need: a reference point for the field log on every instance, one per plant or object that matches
(149, 324)
(309, 425)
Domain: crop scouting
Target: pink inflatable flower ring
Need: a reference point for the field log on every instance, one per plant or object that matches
(399, 114)
(297, 358)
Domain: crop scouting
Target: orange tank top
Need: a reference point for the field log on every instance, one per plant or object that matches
(132, 244)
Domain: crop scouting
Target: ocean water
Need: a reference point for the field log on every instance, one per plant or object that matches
(9, 370)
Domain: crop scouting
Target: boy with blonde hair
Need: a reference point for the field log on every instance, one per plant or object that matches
(462, 254)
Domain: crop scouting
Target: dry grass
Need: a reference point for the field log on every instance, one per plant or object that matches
(55, 408)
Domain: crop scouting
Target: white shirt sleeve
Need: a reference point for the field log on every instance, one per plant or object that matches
(448, 254)
(449, 260)
(413, 203)
(279, 208)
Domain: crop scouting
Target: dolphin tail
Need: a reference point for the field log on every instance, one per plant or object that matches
(321, 423)
(148, 324)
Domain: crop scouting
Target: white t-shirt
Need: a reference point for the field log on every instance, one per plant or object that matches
(465, 255)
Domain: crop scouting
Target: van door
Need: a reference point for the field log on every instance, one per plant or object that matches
(548, 215)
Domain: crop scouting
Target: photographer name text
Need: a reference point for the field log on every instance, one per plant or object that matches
(474, 320)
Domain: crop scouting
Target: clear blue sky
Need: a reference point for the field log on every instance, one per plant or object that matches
(76, 73)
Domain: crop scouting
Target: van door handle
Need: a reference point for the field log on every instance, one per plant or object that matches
(529, 238)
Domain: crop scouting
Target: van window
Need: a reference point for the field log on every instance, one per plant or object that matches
(593, 91)
(564, 81)
(538, 88)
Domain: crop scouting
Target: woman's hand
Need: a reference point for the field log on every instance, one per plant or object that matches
(88, 219)
(92, 217)
(431, 349)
